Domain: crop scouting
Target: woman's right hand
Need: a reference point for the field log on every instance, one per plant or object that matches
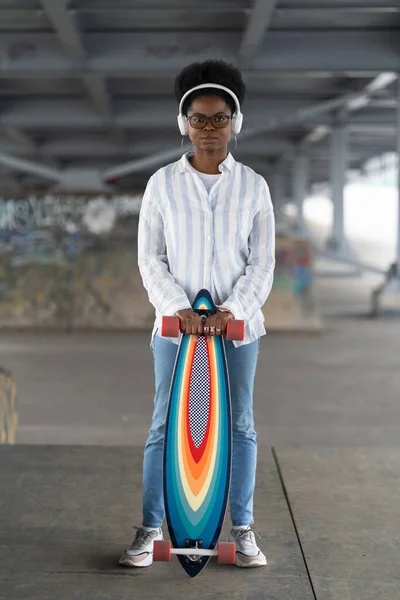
(190, 322)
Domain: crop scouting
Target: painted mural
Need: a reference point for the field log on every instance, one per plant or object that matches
(66, 212)
(70, 261)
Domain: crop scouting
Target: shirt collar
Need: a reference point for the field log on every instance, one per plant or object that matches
(228, 164)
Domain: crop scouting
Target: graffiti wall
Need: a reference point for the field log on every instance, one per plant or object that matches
(69, 261)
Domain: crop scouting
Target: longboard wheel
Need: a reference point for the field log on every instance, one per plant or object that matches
(226, 553)
(162, 550)
(235, 330)
(170, 327)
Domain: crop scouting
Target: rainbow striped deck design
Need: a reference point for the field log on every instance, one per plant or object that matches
(197, 447)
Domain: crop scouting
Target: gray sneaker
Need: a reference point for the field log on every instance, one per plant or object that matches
(140, 554)
(248, 554)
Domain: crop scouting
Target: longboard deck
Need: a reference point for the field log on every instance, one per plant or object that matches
(198, 442)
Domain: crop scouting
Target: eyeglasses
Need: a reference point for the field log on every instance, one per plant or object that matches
(219, 121)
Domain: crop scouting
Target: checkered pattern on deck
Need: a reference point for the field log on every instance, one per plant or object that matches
(199, 393)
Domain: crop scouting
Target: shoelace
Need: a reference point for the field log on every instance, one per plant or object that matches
(246, 535)
(142, 536)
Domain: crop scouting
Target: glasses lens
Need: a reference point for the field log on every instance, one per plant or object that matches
(197, 121)
(220, 121)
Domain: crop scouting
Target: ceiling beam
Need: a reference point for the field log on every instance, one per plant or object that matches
(103, 6)
(142, 164)
(68, 32)
(257, 25)
(18, 136)
(34, 115)
(107, 154)
(96, 146)
(96, 87)
(379, 83)
(297, 117)
(286, 10)
(25, 166)
(22, 143)
(64, 23)
(153, 54)
(65, 26)
(359, 101)
(388, 7)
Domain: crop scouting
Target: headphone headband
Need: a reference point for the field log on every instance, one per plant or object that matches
(210, 85)
(236, 120)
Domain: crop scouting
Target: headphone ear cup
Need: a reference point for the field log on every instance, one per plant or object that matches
(182, 124)
(237, 122)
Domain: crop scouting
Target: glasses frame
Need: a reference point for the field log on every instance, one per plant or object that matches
(210, 119)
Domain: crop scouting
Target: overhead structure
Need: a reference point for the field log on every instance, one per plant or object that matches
(87, 85)
(256, 27)
(67, 30)
(66, 26)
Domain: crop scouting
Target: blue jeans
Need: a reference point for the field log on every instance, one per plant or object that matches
(242, 362)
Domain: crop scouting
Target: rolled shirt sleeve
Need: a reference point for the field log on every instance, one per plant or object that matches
(164, 293)
(253, 288)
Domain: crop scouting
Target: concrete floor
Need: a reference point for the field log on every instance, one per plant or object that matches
(346, 506)
(67, 514)
(327, 503)
(340, 388)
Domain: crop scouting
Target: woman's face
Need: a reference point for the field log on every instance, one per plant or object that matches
(210, 138)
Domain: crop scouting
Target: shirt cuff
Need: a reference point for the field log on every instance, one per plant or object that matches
(235, 309)
(176, 304)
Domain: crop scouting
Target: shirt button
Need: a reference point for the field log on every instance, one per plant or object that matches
(209, 238)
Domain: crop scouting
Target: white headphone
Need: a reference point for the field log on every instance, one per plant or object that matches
(237, 118)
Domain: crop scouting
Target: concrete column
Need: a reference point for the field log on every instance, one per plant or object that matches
(300, 181)
(383, 295)
(339, 143)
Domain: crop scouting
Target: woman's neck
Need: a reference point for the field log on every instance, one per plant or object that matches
(208, 162)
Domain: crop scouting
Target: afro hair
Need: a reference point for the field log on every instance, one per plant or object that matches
(210, 71)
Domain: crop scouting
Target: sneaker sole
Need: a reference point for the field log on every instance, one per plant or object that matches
(257, 562)
(128, 562)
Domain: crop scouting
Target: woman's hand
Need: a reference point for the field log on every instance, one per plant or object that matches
(216, 324)
(190, 322)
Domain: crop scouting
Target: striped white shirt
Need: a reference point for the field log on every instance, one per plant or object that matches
(223, 241)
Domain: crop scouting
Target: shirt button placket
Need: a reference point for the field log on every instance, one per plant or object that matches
(210, 240)
(208, 252)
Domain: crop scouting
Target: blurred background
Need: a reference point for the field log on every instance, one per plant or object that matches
(88, 114)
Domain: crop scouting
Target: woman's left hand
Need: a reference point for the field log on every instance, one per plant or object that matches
(216, 324)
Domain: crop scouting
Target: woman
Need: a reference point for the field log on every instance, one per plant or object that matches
(206, 222)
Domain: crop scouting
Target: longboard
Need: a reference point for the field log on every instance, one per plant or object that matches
(198, 445)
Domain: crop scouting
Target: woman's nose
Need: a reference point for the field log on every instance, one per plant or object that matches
(209, 124)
